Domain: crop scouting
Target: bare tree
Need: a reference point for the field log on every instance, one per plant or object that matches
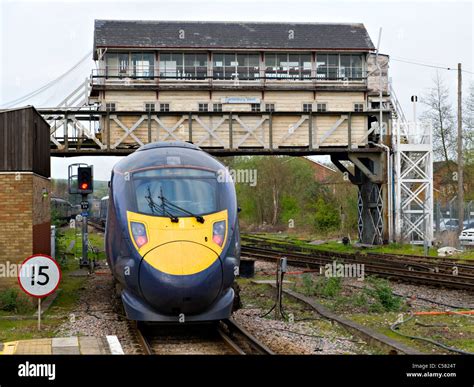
(439, 115)
(468, 135)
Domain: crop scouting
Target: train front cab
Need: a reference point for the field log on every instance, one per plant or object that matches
(181, 269)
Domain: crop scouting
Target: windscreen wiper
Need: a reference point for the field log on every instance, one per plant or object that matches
(155, 208)
(165, 201)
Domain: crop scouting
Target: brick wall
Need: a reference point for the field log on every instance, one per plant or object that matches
(24, 218)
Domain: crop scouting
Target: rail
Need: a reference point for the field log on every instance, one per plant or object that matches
(451, 274)
(220, 337)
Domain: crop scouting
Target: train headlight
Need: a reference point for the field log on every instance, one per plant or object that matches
(139, 233)
(218, 232)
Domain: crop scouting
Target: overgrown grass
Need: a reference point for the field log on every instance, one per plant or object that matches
(12, 302)
(69, 235)
(376, 297)
(382, 294)
(455, 331)
(326, 287)
(337, 246)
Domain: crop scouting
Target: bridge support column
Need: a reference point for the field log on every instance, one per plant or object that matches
(369, 174)
(370, 212)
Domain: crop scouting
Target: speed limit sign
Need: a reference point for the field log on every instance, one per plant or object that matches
(39, 275)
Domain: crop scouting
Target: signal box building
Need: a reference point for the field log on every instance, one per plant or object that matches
(243, 88)
(200, 82)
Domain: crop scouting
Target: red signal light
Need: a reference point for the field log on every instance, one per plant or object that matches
(84, 180)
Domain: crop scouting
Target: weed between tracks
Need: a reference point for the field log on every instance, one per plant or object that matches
(372, 303)
(303, 331)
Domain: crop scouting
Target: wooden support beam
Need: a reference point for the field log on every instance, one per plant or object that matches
(107, 117)
(294, 127)
(333, 128)
(270, 131)
(357, 162)
(170, 131)
(231, 136)
(349, 131)
(210, 130)
(251, 130)
(149, 126)
(128, 131)
(190, 127)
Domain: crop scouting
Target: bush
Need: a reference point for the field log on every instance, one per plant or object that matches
(289, 209)
(332, 286)
(359, 300)
(323, 286)
(383, 295)
(308, 285)
(12, 301)
(327, 216)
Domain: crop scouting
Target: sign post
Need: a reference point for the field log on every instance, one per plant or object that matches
(39, 314)
(39, 276)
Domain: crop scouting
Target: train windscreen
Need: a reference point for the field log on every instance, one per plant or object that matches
(175, 191)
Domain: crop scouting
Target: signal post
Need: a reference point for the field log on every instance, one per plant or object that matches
(82, 184)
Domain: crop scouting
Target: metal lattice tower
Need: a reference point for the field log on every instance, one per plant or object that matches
(413, 182)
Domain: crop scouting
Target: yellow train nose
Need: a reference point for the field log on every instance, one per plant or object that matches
(181, 257)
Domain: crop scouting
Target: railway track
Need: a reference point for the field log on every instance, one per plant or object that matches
(225, 337)
(96, 224)
(413, 269)
(265, 242)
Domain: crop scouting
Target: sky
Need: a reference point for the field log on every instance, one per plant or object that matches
(41, 40)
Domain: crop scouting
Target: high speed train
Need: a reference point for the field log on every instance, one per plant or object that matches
(172, 234)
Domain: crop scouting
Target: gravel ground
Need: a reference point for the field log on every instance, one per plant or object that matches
(299, 337)
(413, 293)
(95, 314)
(275, 333)
(416, 293)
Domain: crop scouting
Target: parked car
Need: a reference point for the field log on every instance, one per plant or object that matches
(468, 224)
(467, 237)
(447, 224)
